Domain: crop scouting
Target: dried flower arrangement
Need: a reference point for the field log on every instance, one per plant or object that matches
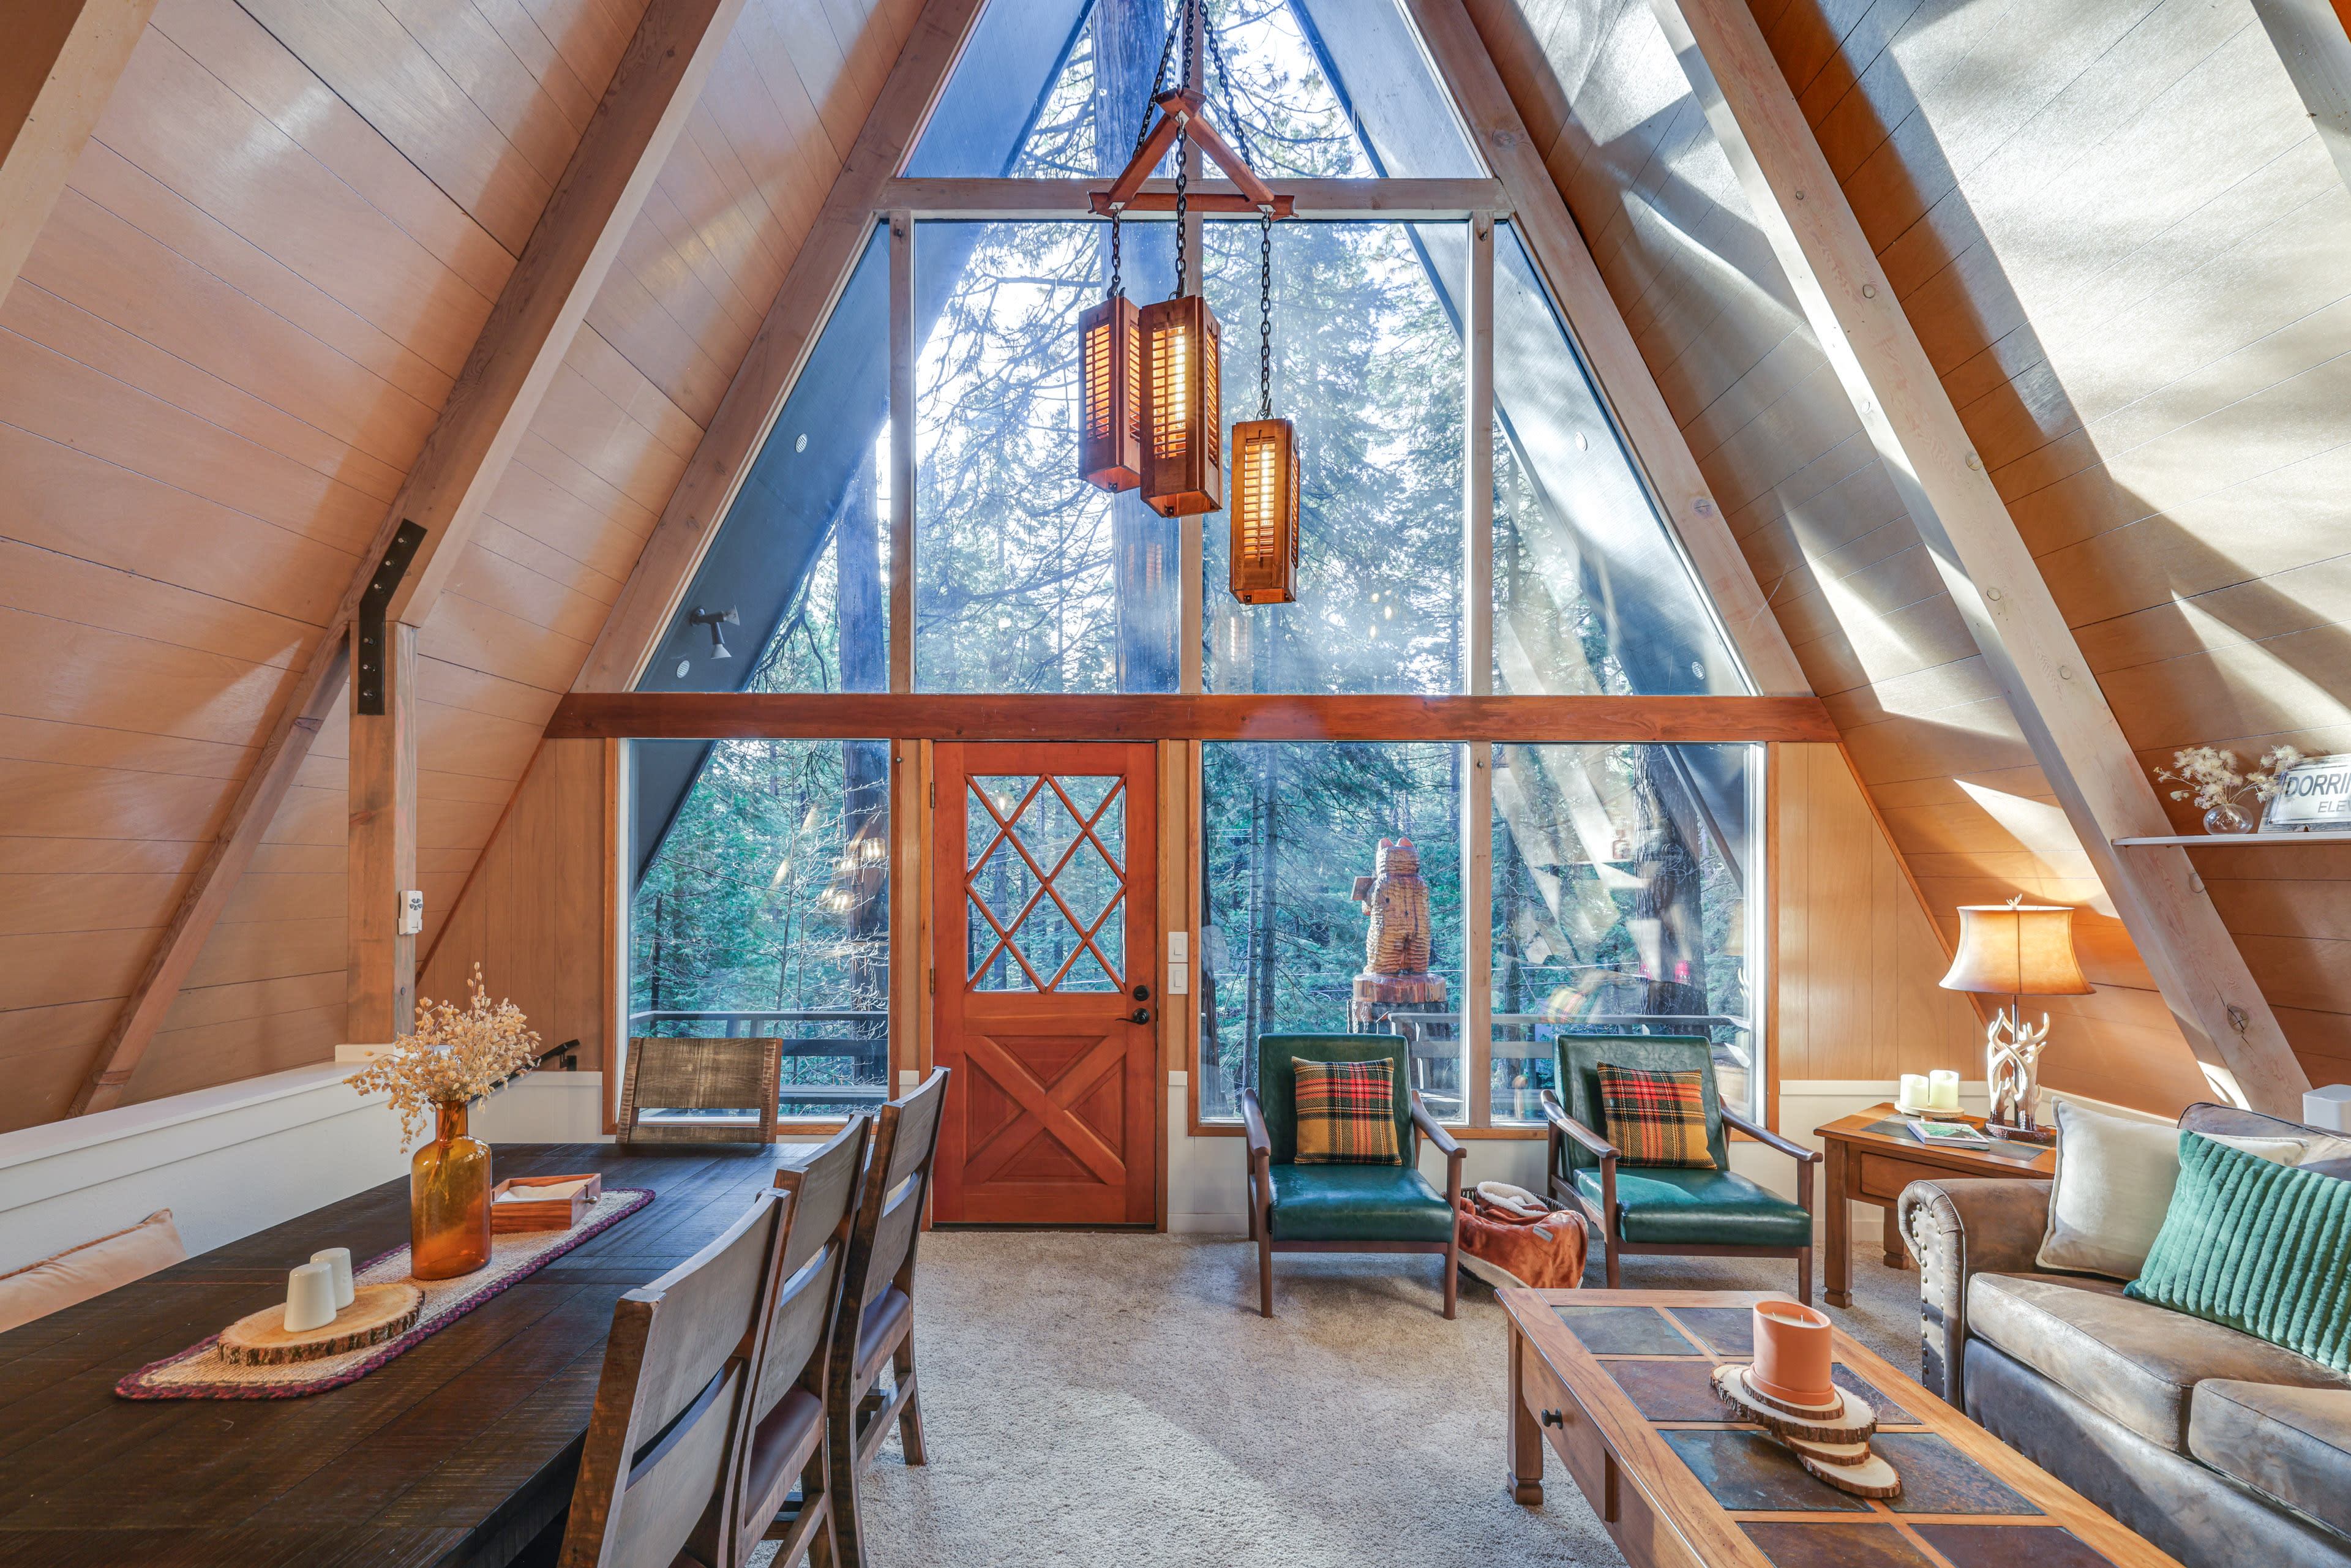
(457, 1053)
(2212, 776)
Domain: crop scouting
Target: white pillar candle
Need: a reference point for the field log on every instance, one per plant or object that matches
(1914, 1091)
(309, 1298)
(338, 1258)
(1943, 1093)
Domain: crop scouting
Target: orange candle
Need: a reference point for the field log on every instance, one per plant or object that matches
(1792, 1354)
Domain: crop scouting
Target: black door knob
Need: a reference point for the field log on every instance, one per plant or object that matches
(1140, 1015)
(1143, 993)
(1553, 1418)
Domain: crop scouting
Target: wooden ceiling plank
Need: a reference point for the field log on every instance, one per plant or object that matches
(1622, 377)
(826, 258)
(1985, 565)
(516, 356)
(63, 60)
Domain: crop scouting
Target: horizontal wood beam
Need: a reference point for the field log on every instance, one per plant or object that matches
(1990, 574)
(514, 359)
(736, 716)
(820, 268)
(1363, 201)
(59, 61)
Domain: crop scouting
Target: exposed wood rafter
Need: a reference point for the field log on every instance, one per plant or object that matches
(1625, 385)
(818, 272)
(514, 359)
(1984, 562)
(59, 65)
(2313, 39)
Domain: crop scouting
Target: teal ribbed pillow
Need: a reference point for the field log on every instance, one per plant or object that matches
(2258, 1246)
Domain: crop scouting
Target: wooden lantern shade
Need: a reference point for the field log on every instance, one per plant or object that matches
(1183, 437)
(1110, 396)
(1264, 512)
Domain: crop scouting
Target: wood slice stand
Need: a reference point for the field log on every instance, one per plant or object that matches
(1378, 994)
(377, 1312)
(1831, 1442)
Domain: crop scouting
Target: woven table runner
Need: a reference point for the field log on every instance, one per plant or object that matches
(199, 1372)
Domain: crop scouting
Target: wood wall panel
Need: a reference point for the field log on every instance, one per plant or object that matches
(2113, 228)
(227, 346)
(531, 914)
(1859, 960)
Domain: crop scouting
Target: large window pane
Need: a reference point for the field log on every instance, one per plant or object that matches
(1026, 577)
(1592, 594)
(763, 908)
(1367, 364)
(1287, 829)
(1620, 897)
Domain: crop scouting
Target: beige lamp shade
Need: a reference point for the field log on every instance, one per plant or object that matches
(2016, 950)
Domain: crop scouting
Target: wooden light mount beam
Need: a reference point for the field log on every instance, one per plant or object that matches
(1183, 112)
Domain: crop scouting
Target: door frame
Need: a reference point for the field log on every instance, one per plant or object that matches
(1172, 896)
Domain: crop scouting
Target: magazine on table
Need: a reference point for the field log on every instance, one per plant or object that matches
(1947, 1133)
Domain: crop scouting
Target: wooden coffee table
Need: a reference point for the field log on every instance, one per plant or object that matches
(1870, 1157)
(1618, 1383)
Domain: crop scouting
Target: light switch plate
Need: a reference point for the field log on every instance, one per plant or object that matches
(412, 913)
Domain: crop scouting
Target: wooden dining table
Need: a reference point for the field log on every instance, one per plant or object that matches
(460, 1452)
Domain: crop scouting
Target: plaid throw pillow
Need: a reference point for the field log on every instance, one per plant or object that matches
(1655, 1118)
(1346, 1113)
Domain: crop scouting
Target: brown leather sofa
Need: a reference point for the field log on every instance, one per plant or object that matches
(2221, 1449)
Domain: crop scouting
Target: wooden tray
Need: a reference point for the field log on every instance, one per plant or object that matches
(377, 1312)
(555, 1214)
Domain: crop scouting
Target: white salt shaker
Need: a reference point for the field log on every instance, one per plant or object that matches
(338, 1258)
(309, 1298)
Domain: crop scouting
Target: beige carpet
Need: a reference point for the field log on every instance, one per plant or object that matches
(1116, 1400)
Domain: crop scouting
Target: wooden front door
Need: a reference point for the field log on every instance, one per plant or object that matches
(1045, 925)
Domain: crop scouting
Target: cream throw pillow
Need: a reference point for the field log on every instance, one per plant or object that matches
(2115, 1179)
(92, 1269)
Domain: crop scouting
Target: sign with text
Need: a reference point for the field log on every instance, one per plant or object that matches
(2315, 793)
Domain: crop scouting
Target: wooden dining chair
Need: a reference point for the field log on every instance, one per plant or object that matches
(730, 1083)
(875, 1323)
(670, 1404)
(785, 1425)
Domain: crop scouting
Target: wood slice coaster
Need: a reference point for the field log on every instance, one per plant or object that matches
(1851, 1420)
(1874, 1477)
(1846, 1454)
(377, 1312)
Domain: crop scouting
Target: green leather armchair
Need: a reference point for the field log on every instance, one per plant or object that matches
(1675, 1210)
(1343, 1209)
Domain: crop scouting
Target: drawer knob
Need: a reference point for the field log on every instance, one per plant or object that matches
(1553, 1418)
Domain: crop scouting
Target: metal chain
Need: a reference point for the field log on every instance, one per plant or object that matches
(1233, 122)
(1265, 317)
(1142, 135)
(1183, 146)
(1117, 287)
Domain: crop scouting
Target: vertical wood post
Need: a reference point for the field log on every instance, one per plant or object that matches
(380, 978)
(903, 350)
(1476, 1006)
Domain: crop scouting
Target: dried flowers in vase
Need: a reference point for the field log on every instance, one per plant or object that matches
(457, 1055)
(2213, 780)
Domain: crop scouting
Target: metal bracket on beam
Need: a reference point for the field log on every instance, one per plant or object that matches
(366, 664)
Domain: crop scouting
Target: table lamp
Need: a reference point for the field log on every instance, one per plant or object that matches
(2016, 949)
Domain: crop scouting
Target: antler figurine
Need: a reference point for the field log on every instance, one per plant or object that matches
(2014, 1068)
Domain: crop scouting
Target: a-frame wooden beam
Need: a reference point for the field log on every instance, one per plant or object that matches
(59, 61)
(819, 270)
(1984, 562)
(514, 359)
(1625, 384)
(2313, 39)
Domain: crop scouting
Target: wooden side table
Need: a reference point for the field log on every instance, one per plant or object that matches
(1871, 1157)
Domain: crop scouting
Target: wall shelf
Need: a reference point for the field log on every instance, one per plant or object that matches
(2194, 841)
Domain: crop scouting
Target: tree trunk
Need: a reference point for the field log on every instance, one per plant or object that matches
(1667, 908)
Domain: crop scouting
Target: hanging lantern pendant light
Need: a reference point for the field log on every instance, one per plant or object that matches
(1265, 473)
(1110, 387)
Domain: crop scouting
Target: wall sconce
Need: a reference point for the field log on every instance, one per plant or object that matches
(718, 620)
(1109, 377)
(1264, 512)
(1183, 462)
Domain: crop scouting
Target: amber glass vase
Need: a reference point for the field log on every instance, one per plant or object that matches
(449, 1200)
